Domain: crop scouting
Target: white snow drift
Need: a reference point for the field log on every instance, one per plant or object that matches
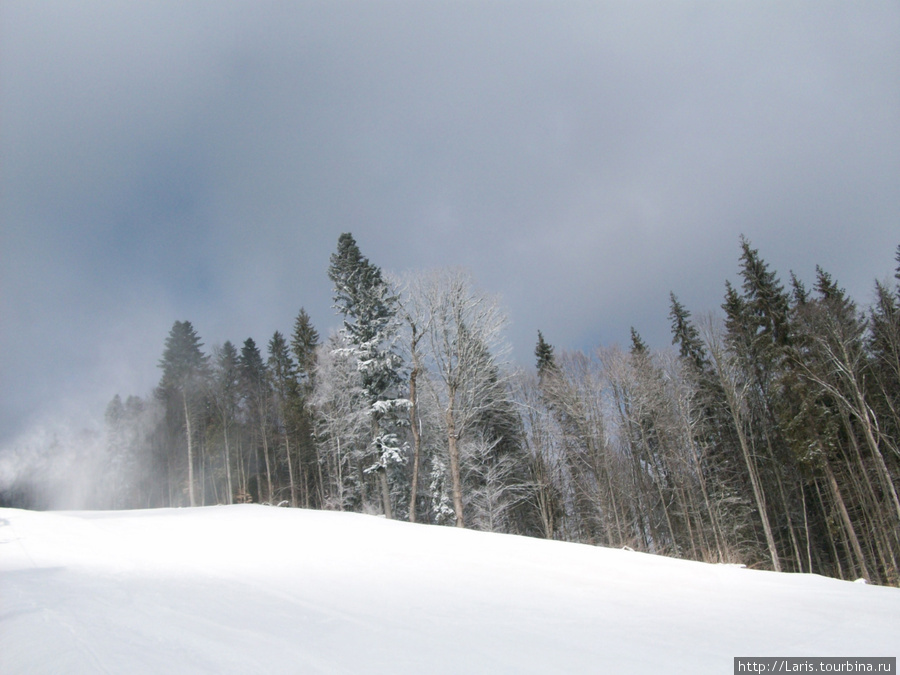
(254, 589)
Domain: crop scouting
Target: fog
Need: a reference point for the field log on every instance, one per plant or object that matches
(55, 465)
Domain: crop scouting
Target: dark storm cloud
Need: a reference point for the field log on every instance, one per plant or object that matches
(198, 161)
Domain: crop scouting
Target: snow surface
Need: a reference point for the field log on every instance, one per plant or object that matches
(254, 589)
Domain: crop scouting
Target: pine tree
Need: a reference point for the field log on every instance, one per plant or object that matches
(799, 294)
(638, 346)
(543, 353)
(884, 346)
(304, 341)
(686, 335)
(304, 347)
(762, 347)
(813, 430)
(286, 390)
(766, 301)
(838, 363)
(496, 460)
(703, 419)
(255, 389)
(369, 308)
(735, 386)
(225, 386)
(897, 272)
(185, 370)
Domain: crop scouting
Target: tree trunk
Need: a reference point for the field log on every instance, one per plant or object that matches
(190, 449)
(265, 444)
(734, 396)
(290, 465)
(320, 488)
(453, 449)
(385, 493)
(845, 517)
(834, 552)
(883, 471)
(202, 472)
(417, 441)
(757, 492)
(228, 466)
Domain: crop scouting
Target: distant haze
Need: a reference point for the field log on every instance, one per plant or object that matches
(167, 161)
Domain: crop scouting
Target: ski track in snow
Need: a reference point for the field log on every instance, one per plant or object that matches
(254, 589)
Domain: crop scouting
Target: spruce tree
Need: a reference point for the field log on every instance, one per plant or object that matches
(185, 370)
(497, 475)
(286, 390)
(365, 300)
(225, 388)
(369, 308)
(884, 347)
(799, 294)
(304, 341)
(255, 389)
(543, 353)
(766, 301)
(841, 366)
(638, 346)
(897, 272)
(304, 347)
(686, 335)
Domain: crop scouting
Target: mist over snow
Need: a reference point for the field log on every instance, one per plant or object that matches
(197, 161)
(56, 464)
(240, 589)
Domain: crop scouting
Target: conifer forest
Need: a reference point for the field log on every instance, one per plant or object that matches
(768, 434)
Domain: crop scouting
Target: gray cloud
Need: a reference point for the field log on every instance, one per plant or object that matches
(167, 161)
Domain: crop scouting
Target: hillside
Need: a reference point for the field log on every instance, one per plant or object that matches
(254, 589)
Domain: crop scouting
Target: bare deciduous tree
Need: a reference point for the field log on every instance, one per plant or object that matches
(465, 337)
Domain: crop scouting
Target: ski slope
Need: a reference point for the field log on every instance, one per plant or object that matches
(254, 589)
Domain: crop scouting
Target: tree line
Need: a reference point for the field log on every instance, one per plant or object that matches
(768, 435)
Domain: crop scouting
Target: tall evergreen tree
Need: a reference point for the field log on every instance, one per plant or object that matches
(304, 347)
(766, 302)
(838, 363)
(638, 346)
(498, 486)
(762, 349)
(286, 390)
(369, 308)
(884, 346)
(185, 369)
(686, 335)
(304, 341)
(897, 270)
(731, 362)
(225, 389)
(255, 388)
(543, 353)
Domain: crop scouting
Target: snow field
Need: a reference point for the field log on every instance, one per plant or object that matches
(255, 589)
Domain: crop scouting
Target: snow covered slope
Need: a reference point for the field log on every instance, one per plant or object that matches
(253, 589)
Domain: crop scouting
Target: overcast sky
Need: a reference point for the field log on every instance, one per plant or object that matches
(165, 161)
